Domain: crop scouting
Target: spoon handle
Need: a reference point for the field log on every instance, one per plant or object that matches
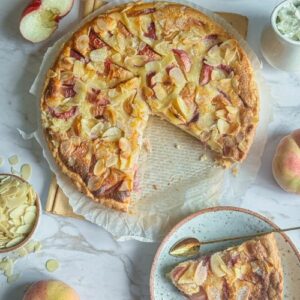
(249, 236)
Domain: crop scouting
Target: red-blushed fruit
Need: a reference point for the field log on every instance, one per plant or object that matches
(40, 18)
(50, 290)
(286, 163)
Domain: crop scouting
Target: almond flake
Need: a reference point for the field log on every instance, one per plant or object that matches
(82, 43)
(13, 160)
(29, 218)
(98, 55)
(78, 68)
(24, 229)
(18, 211)
(99, 167)
(223, 126)
(112, 134)
(177, 76)
(159, 91)
(25, 171)
(15, 241)
(52, 265)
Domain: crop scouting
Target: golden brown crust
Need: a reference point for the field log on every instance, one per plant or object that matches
(81, 186)
(249, 271)
(206, 88)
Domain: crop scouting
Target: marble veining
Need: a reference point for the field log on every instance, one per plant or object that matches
(90, 259)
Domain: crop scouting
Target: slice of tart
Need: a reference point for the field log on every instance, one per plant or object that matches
(249, 271)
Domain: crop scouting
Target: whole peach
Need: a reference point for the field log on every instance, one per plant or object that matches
(50, 290)
(286, 163)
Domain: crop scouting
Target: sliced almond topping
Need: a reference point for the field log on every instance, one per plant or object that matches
(188, 275)
(135, 61)
(162, 47)
(106, 23)
(117, 57)
(97, 130)
(218, 266)
(125, 147)
(82, 43)
(177, 76)
(182, 108)
(221, 114)
(112, 161)
(78, 68)
(94, 183)
(200, 273)
(159, 91)
(233, 110)
(148, 92)
(112, 134)
(223, 126)
(98, 55)
(99, 167)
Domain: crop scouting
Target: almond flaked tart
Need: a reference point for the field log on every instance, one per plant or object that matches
(251, 271)
(135, 61)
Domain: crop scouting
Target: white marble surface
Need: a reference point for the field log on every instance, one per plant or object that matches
(91, 260)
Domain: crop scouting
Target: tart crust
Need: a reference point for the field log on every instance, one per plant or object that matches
(138, 60)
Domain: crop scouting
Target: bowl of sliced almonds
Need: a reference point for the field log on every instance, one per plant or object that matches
(20, 211)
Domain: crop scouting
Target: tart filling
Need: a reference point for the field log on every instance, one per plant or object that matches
(138, 60)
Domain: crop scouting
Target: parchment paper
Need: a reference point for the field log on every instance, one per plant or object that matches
(175, 182)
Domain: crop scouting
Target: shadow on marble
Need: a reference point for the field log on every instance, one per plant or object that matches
(16, 292)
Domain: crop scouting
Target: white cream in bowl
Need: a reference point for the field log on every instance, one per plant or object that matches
(280, 42)
(288, 20)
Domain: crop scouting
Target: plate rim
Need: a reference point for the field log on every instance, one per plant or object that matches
(207, 210)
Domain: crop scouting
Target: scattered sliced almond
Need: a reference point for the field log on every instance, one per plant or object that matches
(52, 265)
(13, 160)
(6, 266)
(25, 171)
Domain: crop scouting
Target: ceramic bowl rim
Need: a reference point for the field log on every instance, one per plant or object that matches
(273, 22)
(36, 223)
(201, 212)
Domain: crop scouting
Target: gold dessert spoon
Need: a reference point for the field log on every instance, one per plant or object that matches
(191, 246)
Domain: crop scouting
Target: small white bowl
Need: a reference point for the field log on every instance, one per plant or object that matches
(279, 51)
(36, 223)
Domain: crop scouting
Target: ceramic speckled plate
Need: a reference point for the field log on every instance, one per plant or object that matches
(219, 222)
